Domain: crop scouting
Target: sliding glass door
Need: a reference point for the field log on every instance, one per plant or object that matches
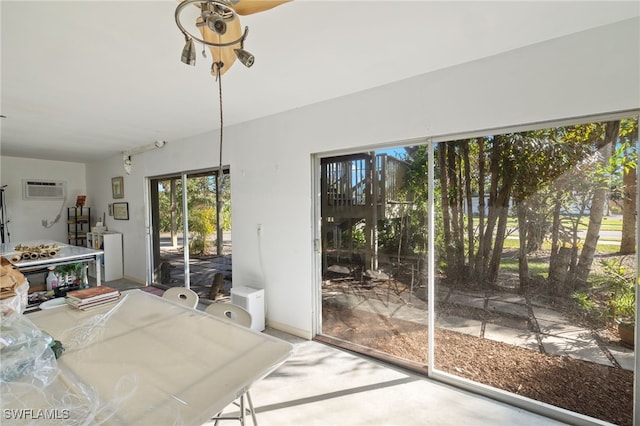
(374, 254)
(194, 261)
(505, 262)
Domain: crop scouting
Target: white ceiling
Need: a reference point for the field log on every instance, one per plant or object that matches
(85, 80)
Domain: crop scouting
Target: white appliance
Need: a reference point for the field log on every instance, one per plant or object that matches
(252, 300)
(43, 189)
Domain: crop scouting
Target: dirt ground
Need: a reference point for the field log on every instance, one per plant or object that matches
(595, 390)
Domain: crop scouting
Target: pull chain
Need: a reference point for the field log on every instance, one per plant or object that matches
(217, 66)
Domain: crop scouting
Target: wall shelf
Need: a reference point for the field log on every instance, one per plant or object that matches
(78, 220)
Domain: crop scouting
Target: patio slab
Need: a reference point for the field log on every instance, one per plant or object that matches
(473, 301)
(586, 350)
(512, 336)
(508, 308)
(565, 330)
(548, 314)
(507, 297)
(624, 357)
(459, 324)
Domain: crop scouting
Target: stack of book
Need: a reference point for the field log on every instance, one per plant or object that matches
(92, 297)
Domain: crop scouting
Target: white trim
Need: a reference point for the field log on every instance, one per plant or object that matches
(304, 334)
(431, 245)
(316, 247)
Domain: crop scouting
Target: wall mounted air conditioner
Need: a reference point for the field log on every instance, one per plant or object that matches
(252, 300)
(39, 189)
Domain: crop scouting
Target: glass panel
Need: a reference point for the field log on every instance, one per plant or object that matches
(535, 255)
(207, 258)
(374, 254)
(169, 232)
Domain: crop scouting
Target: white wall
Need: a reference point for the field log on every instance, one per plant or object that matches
(25, 216)
(587, 73)
(272, 186)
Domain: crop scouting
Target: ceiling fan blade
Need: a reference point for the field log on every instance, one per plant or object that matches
(248, 7)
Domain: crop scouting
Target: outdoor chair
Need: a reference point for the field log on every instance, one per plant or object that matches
(240, 316)
(230, 312)
(183, 296)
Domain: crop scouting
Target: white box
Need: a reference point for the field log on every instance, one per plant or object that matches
(251, 299)
(112, 259)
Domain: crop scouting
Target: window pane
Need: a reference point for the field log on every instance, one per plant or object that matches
(374, 254)
(532, 273)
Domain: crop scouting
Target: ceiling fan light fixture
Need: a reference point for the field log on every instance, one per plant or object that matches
(217, 25)
(246, 58)
(189, 53)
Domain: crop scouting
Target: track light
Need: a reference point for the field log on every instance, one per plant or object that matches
(220, 30)
(217, 25)
(189, 52)
(126, 160)
(126, 155)
(245, 57)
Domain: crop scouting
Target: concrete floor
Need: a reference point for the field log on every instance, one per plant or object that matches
(322, 385)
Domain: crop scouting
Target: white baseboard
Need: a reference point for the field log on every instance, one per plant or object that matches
(135, 280)
(304, 334)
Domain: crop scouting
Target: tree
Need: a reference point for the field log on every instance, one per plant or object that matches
(629, 186)
(596, 210)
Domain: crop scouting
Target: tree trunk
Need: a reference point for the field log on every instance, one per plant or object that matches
(523, 265)
(558, 272)
(597, 208)
(629, 213)
(454, 195)
(493, 213)
(481, 210)
(444, 193)
(503, 213)
(469, 202)
(219, 207)
(555, 232)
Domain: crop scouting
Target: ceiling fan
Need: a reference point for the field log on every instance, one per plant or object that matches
(220, 30)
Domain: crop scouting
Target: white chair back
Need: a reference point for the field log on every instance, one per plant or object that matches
(230, 312)
(183, 296)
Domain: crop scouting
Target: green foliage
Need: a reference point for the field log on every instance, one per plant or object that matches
(201, 192)
(620, 280)
(585, 304)
(69, 269)
(201, 224)
(357, 235)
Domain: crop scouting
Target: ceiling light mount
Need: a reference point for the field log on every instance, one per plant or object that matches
(215, 18)
(126, 155)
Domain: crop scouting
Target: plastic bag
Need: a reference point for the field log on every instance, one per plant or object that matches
(25, 351)
(18, 302)
(35, 391)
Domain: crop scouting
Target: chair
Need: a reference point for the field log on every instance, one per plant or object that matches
(240, 316)
(230, 312)
(184, 296)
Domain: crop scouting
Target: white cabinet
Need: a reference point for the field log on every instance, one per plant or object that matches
(111, 244)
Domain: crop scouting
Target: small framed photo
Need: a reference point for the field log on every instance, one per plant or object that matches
(121, 211)
(117, 187)
(110, 209)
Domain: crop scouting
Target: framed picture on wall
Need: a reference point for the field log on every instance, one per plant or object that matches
(121, 211)
(117, 187)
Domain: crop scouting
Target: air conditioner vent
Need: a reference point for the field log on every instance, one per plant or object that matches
(33, 189)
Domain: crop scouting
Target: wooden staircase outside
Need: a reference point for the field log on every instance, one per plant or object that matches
(365, 186)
